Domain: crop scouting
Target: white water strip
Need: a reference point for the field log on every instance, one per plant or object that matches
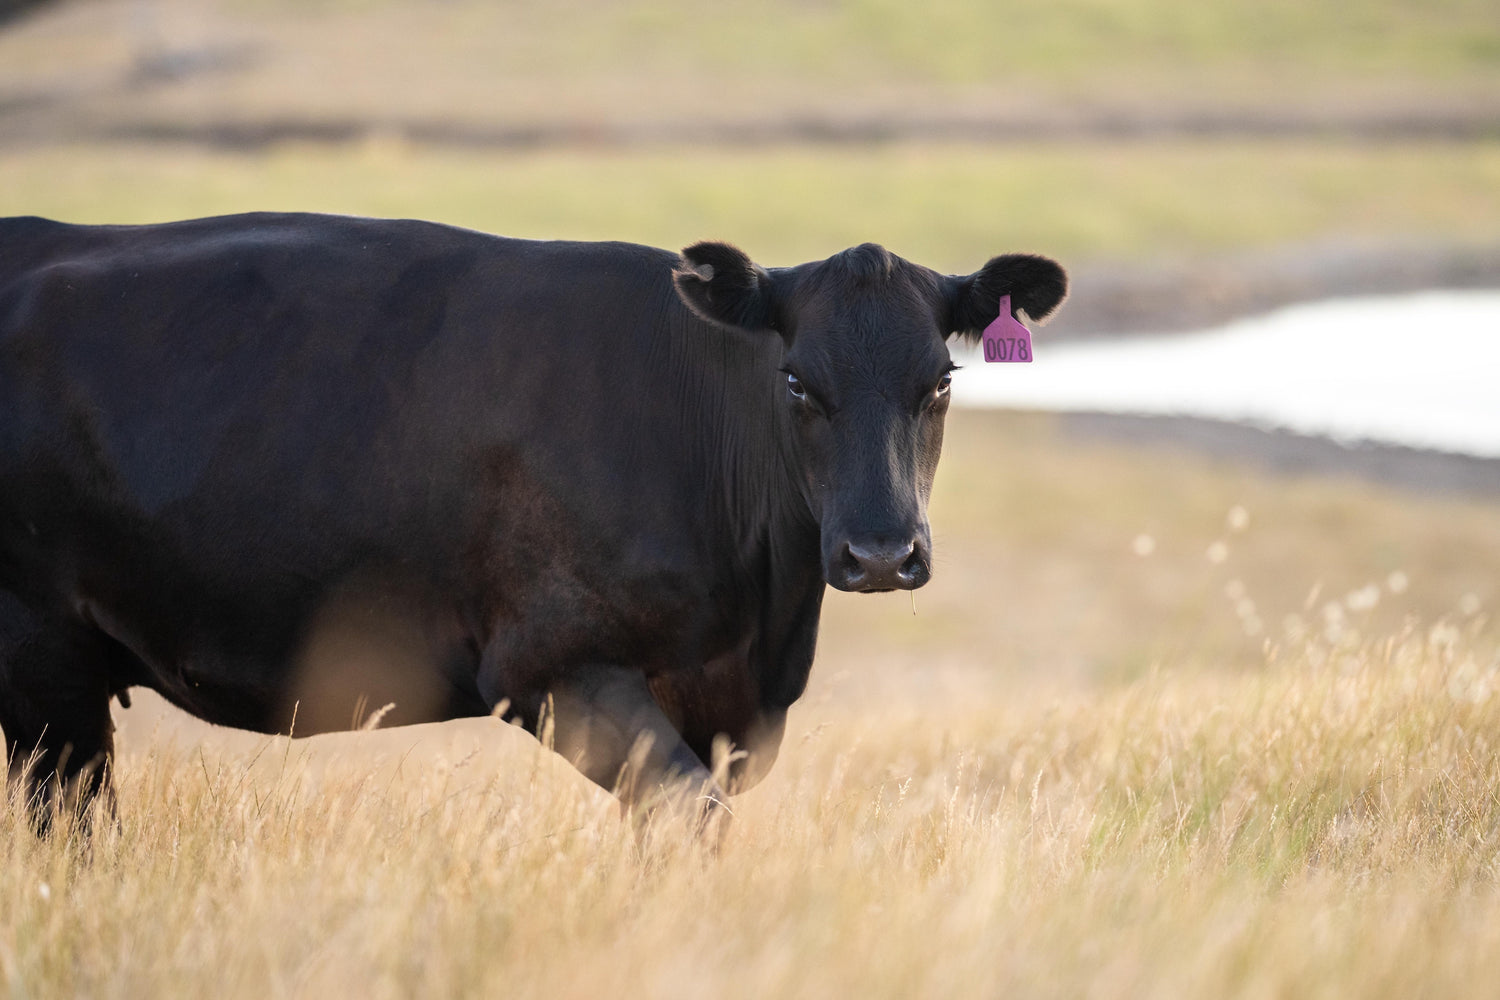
(1419, 370)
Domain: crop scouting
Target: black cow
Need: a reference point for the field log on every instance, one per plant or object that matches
(287, 469)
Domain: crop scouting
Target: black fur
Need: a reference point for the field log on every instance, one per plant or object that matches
(722, 285)
(1036, 285)
(865, 264)
(297, 466)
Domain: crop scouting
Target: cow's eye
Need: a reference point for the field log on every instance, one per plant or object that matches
(944, 384)
(794, 386)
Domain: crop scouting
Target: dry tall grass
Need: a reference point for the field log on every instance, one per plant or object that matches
(1317, 820)
(1327, 827)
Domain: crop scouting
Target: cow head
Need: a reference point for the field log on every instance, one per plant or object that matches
(864, 382)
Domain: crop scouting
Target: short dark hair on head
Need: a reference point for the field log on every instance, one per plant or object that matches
(864, 263)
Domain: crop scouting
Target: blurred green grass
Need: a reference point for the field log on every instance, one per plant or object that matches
(949, 206)
(972, 41)
(542, 60)
(79, 70)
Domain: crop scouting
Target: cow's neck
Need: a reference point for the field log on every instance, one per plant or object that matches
(780, 542)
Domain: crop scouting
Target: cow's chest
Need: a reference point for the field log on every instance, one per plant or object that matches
(723, 699)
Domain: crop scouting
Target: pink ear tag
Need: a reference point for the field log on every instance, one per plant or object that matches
(1007, 339)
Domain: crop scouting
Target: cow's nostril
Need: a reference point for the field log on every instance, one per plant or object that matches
(879, 559)
(875, 564)
(849, 562)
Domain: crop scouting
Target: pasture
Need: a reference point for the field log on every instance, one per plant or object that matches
(1162, 725)
(1258, 760)
(949, 206)
(595, 63)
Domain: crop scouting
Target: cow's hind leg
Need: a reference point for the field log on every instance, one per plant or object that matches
(54, 709)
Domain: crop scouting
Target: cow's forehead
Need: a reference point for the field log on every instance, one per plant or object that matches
(868, 273)
(866, 302)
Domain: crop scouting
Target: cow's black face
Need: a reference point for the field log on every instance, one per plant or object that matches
(865, 383)
(868, 382)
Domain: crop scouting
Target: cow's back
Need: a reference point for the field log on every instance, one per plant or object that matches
(207, 428)
(212, 375)
(228, 364)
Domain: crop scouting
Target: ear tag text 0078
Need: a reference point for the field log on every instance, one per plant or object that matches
(1007, 339)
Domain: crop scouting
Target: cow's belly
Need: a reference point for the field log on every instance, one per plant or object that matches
(344, 683)
(266, 654)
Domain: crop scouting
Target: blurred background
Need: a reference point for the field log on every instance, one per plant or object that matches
(1185, 155)
(1193, 164)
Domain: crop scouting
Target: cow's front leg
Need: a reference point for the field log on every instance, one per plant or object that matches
(607, 724)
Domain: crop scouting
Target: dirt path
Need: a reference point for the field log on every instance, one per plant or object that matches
(52, 116)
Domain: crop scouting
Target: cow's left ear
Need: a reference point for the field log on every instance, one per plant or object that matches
(721, 284)
(1035, 284)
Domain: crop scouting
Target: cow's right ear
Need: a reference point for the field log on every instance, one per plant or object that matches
(721, 284)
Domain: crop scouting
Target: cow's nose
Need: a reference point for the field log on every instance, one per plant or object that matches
(872, 564)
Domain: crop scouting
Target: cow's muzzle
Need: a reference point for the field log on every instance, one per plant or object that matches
(878, 564)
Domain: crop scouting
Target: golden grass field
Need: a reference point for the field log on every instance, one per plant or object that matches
(1074, 772)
